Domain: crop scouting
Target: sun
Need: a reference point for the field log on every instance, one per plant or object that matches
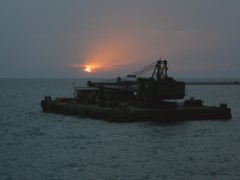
(88, 68)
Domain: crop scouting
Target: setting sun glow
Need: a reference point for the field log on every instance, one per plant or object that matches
(88, 69)
(110, 53)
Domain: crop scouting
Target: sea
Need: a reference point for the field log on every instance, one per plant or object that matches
(47, 146)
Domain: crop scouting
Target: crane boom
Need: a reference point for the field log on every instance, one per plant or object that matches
(159, 70)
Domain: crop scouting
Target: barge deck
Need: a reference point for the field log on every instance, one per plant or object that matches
(134, 114)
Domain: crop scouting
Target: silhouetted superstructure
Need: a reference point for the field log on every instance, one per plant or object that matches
(150, 91)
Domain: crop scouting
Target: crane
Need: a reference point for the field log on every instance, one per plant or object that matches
(159, 69)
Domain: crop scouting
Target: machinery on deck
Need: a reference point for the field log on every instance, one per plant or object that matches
(151, 91)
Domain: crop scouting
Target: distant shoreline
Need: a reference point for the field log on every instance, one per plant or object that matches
(213, 83)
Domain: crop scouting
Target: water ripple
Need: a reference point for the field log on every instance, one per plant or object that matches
(37, 145)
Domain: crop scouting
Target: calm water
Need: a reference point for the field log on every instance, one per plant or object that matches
(37, 145)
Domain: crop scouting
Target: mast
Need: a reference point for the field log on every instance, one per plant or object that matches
(74, 86)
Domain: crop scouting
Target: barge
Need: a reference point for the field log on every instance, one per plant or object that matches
(136, 99)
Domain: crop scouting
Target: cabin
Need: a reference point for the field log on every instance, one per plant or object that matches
(87, 94)
(162, 89)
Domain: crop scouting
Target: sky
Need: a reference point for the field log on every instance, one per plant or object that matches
(109, 38)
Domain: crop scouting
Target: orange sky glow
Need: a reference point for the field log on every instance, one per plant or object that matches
(109, 53)
(114, 38)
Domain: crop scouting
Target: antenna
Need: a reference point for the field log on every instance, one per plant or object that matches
(74, 85)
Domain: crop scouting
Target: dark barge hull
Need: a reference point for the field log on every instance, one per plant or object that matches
(133, 114)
